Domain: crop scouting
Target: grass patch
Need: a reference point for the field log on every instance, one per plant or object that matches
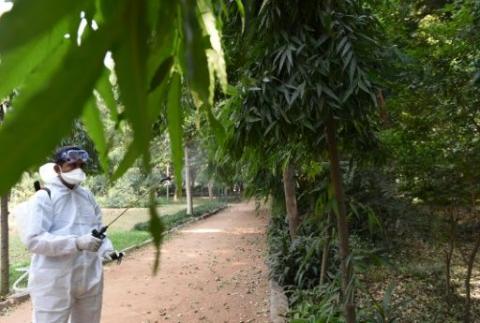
(124, 239)
(180, 217)
(15, 274)
(136, 215)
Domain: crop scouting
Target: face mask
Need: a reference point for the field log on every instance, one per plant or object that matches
(74, 177)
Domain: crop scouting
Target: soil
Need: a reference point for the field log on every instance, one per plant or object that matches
(211, 271)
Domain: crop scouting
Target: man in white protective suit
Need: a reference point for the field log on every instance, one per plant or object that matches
(66, 274)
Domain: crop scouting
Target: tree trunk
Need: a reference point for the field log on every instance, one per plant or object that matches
(449, 255)
(382, 109)
(4, 257)
(168, 182)
(470, 263)
(342, 224)
(188, 185)
(193, 178)
(175, 194)
(210, 190)
(291, 199)
(4, 265)
(448, 288)
(326, 249)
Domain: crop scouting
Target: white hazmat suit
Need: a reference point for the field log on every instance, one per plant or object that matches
(64, 282)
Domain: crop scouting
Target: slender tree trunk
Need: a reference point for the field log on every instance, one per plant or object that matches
(448, 287)
(175, 194)
(323, 267)
(210, 190)
(449, 255)
(4, 264)
(326, 249)
(342, 224)
(4, 256)
(188, 185)
(193, 178)
(168, 182)
(382, 109)
(470, 263)
(291, 199)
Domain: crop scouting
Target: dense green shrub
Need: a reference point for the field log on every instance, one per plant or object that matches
(374, 202)
(296, 263)
(319, 304)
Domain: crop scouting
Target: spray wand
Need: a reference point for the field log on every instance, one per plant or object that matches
(100, 234)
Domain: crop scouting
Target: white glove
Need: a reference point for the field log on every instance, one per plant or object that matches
(110, 255)
(88, 242)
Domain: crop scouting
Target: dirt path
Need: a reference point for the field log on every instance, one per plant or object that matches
(211, 271)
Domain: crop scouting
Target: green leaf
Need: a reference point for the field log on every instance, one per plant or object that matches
(264, 5)
(153, 8)
(217, 127)
(348, 93)
(30, 18)
(161, 73)
(363, 86)
(341, 44)
(156, 101)
(105, 9)
(27, 120)
(166, 24)
(128, 159)
(329, 92)
(130, 60)
(476, 78)
(175, 130)
(104, 88)
(165, 41)
(93, 123)
(215, 55)
(157, 228)
(241, 9)
(284, 114)
(16, 65)
(195, 63)
(353, 68)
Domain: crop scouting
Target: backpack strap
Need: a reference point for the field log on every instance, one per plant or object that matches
(38, 187)
(48, 191)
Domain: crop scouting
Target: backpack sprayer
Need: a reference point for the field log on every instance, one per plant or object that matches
(100, 234)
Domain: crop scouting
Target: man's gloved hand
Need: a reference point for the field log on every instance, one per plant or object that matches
(88, 242)
(110, 255)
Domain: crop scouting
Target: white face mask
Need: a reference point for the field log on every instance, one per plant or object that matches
(74, 177)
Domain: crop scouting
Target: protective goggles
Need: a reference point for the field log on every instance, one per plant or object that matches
(71, 156)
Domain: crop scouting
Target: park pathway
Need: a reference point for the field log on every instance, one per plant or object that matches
(211, 271)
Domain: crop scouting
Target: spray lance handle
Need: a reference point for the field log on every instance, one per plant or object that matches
(100, 234)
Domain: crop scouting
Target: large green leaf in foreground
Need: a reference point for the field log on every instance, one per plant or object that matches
(175, 130)
(130, 58)
(30, 18)
(155, 46)
(37, 124)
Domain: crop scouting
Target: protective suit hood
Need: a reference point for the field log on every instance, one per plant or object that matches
(48, 174)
